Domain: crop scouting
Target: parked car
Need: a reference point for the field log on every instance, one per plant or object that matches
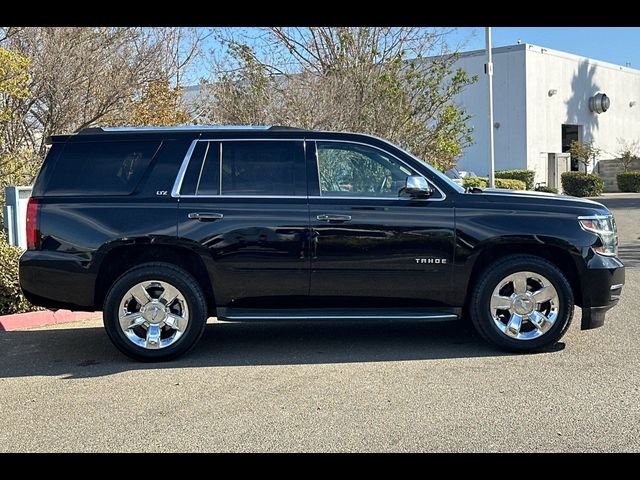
(458, 176)
(161, 228)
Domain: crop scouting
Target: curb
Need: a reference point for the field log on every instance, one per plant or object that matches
(40, 319)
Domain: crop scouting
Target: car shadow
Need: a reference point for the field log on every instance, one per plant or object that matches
(629, 254)
(87, 352)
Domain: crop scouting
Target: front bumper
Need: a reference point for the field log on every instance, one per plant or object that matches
(602, 283)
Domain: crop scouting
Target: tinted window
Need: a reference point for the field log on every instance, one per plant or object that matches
(263, 168)
(47, 167)
(94, 168)
(203, 173)
(346, 169)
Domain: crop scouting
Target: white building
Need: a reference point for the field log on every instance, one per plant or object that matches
(541, 103)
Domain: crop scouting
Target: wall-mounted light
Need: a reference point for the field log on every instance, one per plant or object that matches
(632, 103)
(552, 92)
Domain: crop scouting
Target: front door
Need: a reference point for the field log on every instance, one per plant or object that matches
(243, 205)
(372, 247)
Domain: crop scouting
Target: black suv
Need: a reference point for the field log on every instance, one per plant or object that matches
(161, 228)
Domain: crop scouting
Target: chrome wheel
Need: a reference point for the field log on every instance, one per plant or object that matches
(153, 314)
(524, 305)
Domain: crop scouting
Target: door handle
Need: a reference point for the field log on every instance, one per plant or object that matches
(203, 217)
(333, 218)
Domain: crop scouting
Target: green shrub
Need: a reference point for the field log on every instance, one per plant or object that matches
(629, 181)
(470, 182)
(581, 184)
(546, 189)
(510, 184)
(11, 298)
(526, 176)
(480, 182)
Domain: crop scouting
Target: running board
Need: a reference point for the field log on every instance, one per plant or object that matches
(255, 314)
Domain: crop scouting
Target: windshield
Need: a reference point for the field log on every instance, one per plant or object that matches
(436, 172)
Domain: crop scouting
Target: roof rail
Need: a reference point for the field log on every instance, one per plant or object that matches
(90, 130)
(285, 128)
(94, 130)
(184, 127)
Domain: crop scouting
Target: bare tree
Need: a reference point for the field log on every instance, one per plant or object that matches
(628, 152)
(398, 83)
(180, 48)
(82, 77)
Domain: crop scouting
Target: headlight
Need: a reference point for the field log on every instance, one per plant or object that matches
(604, 226)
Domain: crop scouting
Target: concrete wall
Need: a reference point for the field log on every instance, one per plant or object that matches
(531, 120)
(608, 170)
(509, 110)
(576, 79)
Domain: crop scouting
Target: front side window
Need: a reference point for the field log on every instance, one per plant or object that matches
(346, 169)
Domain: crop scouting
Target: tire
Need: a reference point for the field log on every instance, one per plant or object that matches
(164, 335)
(496, 326)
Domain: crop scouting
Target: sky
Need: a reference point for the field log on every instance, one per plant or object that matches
(617, 45)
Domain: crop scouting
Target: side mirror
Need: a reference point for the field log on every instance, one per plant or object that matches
(417, 187)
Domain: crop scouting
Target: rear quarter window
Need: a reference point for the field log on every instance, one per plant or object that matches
(101, 168)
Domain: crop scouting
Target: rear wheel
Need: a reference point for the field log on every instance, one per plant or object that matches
(155, 312)
(522, 303)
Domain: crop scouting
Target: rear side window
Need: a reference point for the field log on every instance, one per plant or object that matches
(47, 166)
(253, 167)
(263, 168)
(100, 168)
(203, 174)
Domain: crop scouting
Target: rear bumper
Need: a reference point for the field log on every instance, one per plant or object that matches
(57, 280)
(602, 284)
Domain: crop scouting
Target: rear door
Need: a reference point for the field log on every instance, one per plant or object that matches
(244, 203)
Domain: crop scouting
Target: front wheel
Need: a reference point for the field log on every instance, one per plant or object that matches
(155, 312)
(522, 303)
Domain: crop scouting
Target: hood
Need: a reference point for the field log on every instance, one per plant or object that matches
(543, 198)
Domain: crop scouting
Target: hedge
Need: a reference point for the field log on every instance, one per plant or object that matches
(11, 298)
(526, 176)
(629, 181)
(470, 182)
(581, 184)
(510, 184)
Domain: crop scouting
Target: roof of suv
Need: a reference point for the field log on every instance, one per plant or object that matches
(208, 131)
(95, 133)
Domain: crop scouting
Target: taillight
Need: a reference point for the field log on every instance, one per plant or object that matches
(33, 235)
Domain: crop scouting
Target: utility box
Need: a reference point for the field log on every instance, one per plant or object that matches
(558, 164)
(14, 215)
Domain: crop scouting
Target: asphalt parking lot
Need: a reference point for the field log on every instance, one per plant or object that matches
(332, 386)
